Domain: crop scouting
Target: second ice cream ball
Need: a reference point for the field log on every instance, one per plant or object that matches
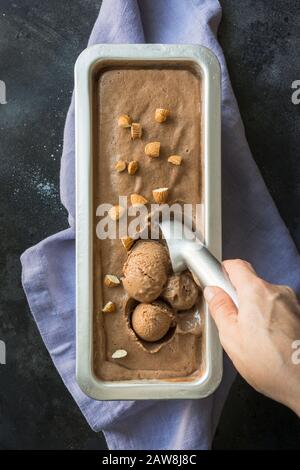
(151, 322)
(181, 292)
(146, 271)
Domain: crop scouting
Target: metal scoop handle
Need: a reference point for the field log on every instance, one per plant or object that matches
(207, 269)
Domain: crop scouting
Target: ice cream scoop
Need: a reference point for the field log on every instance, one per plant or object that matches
(151, 322)
(146, 270)
(180, 292)
(187, 251)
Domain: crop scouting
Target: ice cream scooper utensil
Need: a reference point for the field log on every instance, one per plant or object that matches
(187, 251)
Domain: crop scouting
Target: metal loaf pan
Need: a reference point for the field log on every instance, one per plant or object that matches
(208, 67)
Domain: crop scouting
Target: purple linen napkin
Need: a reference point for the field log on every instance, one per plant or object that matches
(252, 230)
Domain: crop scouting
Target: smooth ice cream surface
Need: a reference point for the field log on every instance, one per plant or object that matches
(151, 322)
(146, 271)
(181, 292)
(138, 92)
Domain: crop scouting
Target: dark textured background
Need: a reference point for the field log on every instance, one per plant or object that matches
(39, 42)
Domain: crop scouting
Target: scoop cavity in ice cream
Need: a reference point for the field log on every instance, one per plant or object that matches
(180, 292)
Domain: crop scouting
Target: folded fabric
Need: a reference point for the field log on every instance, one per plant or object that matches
(252, 230)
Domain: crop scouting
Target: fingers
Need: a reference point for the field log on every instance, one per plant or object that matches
(241, 273)
(222, 309)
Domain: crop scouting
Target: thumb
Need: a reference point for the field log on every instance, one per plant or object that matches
(222, 309)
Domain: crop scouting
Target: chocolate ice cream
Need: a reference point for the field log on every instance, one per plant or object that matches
(181, 292)
(151, 322)
(146, 271)
(137, 92)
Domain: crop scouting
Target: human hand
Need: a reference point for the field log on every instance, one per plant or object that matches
(258, 336)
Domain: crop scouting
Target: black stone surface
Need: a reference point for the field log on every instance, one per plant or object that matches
(39, 42)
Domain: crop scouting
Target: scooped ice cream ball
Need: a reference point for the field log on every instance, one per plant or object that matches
(180, 292)
(146, 271)
(151, 322)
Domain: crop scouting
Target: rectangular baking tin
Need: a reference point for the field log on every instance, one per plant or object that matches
(209, 68)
